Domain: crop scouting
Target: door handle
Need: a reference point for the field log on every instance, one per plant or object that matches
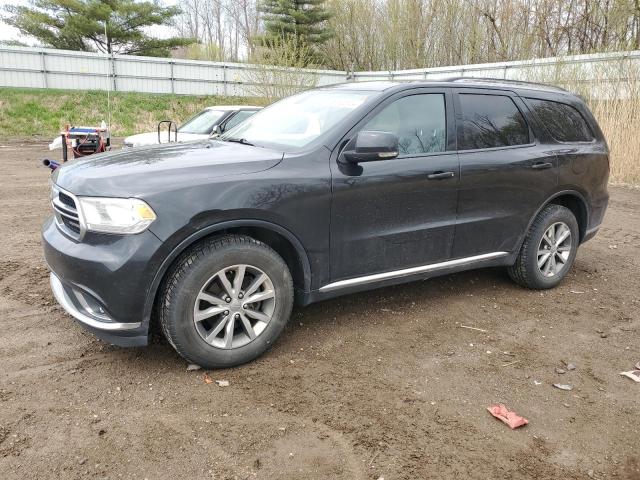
(440, 175)
(542, 166)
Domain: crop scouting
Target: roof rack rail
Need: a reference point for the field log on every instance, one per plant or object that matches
(505, 81)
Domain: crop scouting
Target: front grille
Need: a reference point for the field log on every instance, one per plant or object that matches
(73, 225)
(67, 200)
(66, 213)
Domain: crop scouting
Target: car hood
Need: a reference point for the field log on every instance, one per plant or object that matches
(151, 138)
(136, 172)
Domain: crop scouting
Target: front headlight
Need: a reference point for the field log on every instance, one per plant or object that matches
(115, 215)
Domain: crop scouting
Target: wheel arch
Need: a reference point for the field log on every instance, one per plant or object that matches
(574, 201)
(285, 243)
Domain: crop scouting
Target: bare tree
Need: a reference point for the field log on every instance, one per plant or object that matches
(224, 28)
(400, 34)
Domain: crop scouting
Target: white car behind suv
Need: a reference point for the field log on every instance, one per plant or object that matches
(200, 127)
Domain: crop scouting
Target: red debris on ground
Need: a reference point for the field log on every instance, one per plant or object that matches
(507, 416)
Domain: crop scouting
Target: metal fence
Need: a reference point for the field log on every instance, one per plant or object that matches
(581, 68)
(32, 67)
(596, 76)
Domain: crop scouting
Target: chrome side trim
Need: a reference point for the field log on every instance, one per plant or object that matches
(351, 282)
(65, 302)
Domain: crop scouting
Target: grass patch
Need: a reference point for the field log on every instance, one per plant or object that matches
(43, 113)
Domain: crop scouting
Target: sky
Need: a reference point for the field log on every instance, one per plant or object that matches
(9, 33)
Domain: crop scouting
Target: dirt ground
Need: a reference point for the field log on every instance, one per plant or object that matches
(382, 384)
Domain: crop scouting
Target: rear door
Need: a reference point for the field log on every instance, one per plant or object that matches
(505, 172)
(398, 213)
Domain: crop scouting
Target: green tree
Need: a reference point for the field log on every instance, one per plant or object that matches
(80, 25)
(305, 20)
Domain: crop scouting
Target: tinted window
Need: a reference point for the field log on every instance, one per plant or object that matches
(419, 121)
(238, 118)
(490, 121)
(565, 124)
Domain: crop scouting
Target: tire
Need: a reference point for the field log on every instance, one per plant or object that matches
(525, 271)
(196, 278)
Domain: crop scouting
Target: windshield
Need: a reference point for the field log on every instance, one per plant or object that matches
(298, 120)
(203, 122)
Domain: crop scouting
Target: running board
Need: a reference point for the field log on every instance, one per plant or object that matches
(352, 282)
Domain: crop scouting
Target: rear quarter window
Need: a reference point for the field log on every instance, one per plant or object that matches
(564, 122)
(490, 121)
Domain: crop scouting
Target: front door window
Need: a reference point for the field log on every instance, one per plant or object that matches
(419, 121)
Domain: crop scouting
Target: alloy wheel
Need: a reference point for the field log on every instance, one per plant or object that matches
(554, 249)
(234, 306)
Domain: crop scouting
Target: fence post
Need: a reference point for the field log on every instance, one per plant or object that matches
(113, 72)
(173, 88)
(224, 79)
(43, 64)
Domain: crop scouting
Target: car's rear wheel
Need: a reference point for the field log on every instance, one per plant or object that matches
(548, 250)
(226, 301)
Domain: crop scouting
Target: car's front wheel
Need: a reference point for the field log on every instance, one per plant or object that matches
(548, 250)
(226, 301)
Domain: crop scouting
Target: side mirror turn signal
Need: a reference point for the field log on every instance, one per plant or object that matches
(373, 146)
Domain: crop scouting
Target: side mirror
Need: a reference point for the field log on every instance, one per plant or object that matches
(372, 146)
(217, 131)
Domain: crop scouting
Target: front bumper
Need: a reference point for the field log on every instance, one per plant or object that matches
(104, 281)
(76, 304)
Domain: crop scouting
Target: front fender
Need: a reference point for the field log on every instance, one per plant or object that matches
(179, 245)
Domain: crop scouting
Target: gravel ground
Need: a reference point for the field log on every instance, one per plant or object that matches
(381, 384)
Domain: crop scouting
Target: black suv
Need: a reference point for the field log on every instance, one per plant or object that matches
(331, 191)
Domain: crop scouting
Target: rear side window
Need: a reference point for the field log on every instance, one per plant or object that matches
(419, 121)
(565, 123)
(490, 121)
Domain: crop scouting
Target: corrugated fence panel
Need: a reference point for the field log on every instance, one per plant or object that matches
(19, 60)
(21, 79)
(198, 87)
(48, 68)
(147, 85)
(77, 82)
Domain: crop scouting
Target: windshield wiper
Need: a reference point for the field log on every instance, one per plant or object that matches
(243, 141)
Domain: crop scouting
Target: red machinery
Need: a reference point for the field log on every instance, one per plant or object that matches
(80, 141)
(83, 141)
